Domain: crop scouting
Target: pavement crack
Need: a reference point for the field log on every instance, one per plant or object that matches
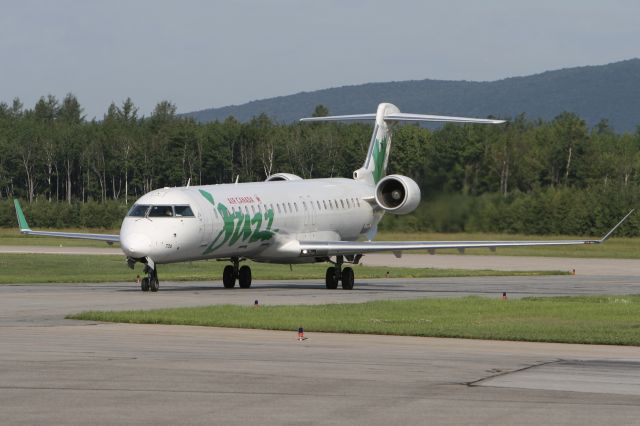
(500, 373)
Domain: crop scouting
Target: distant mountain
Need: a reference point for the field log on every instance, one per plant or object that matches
(609, 91)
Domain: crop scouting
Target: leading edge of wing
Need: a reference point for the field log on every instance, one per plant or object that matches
(109, 238)
(26, 230)
(329, 248)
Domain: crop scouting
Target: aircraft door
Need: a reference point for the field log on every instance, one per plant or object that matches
(205, 225)
(309, 210)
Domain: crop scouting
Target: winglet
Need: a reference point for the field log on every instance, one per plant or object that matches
(608, 234)
(22, 221)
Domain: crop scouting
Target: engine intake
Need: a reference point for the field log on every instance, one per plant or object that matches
(398, 194)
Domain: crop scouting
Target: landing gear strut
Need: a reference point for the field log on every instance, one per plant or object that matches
(150, 282)
(337, 274)
(235, 271)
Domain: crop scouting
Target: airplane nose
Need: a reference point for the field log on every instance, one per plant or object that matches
(135, 245)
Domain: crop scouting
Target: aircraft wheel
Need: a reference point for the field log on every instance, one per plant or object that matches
(144, 284)
(154, 284)
(347, 278)
(244, 277)
(228, 277)
(331, 280)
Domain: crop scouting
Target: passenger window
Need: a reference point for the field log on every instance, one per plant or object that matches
(138, 210)
(161, 211)
(324, 203)
(296, 206)
(290, 208)
(342, 203)
(253, 209)
(358, 201)
(319, 208)
(183, 211)
(304, 206)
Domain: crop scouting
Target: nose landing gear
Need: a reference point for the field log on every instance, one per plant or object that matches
(234, 272)
(150, 282)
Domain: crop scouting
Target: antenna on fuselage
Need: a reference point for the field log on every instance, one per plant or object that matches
(189, 183)
(237, 179)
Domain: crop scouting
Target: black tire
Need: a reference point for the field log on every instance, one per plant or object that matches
(331, 281)
(347, 278)
(144, 284)
(154, 284)
(244, 276)
(228, 277)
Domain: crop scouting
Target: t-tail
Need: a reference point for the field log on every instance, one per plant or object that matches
(375, 165)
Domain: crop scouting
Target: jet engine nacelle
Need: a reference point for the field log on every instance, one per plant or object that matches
(398, 194)
(282, 176)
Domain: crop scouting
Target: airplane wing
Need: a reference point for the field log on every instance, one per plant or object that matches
(26, 230)
(333, 248)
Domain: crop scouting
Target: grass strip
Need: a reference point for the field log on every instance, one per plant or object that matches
(57, 268)
(609, 320)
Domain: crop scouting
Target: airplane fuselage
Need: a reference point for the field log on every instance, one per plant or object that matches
(263, 221)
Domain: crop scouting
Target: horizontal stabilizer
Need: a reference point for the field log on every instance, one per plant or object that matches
(352, 117)
(401, 116)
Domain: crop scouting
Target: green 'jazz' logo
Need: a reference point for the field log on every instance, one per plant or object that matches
(239, 226)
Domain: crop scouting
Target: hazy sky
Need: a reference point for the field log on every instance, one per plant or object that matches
(201, 54)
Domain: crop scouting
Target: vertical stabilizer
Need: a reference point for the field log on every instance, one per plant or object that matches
(375, 164)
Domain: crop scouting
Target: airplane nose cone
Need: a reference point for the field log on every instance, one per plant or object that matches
(135, 245)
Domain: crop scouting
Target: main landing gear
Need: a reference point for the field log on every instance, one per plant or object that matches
(234, 272)
(150, 282)
(337, 274)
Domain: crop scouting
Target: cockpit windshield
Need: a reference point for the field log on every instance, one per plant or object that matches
(138, 210)
(183, 211)
(145, 210)
(161, 211)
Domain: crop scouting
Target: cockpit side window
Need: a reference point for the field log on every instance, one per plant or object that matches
(161, 211)
(183, 211)
(138, 210)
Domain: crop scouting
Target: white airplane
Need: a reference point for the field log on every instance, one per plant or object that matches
(285, 219)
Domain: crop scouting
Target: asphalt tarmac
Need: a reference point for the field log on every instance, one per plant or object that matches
(582, 266)
(60, 371)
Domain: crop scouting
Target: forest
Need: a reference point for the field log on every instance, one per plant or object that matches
(526, 176)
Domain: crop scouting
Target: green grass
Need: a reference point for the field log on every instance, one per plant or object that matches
(613, 320)
(57, 268)
(616, 248)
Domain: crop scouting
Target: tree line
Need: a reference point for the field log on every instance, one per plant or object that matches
(51, 154)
